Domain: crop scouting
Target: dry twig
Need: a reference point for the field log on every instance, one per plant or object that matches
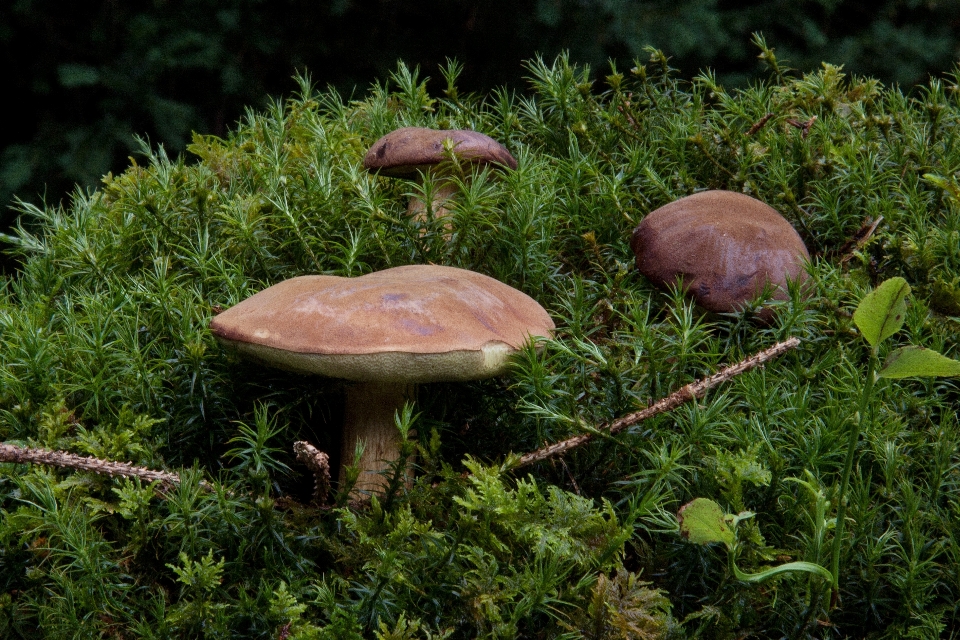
(803, 126)
(684, 394)
(859, 239)
(759, 124)
(63, 459)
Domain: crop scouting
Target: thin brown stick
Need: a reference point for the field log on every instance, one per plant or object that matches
(803, 126)
(63, 459)
(859, 239)
(759, 124)
(684, 394)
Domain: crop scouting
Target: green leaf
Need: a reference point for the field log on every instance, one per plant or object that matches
(790, 567)
(910, 362)
(881, 312)
(702, 522)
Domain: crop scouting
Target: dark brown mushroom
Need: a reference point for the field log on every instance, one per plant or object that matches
(411, 152)
(725, 247)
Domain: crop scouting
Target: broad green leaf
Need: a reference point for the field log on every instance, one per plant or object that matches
(881, 312)
(702, 522)
(910, 362)
(790, 567)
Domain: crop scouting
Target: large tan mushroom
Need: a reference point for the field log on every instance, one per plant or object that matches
(411, 152)
(387, 331)
(725, 247)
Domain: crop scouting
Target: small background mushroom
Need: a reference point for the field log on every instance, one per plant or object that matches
(726, 247)
(411, 152)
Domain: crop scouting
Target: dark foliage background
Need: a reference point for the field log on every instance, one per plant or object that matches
(83, 78)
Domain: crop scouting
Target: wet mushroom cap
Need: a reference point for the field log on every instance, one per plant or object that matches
(412, 324)
(406, 151)
(725, 246)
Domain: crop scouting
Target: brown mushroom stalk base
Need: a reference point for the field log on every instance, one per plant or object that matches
(442, 193)
(369, 416)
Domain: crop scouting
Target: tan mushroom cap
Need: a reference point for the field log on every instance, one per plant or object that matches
(726, 246)
(405, 151)
(418, 323)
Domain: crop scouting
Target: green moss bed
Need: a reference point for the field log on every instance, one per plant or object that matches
(105, 351)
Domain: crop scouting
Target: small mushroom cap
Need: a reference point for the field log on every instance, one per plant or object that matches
(418, 323)
(725, 246)
(405, 151)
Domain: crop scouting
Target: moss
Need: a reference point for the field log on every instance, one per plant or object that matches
(105, 347)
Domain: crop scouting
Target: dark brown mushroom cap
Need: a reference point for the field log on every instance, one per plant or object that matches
(725, 246)
(405, 151)
(418, 323)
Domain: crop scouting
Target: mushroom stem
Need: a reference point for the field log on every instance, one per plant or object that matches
(369, 416)
(443, 191)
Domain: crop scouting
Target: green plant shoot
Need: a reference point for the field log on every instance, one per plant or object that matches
(880, 315)
(703, 522)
